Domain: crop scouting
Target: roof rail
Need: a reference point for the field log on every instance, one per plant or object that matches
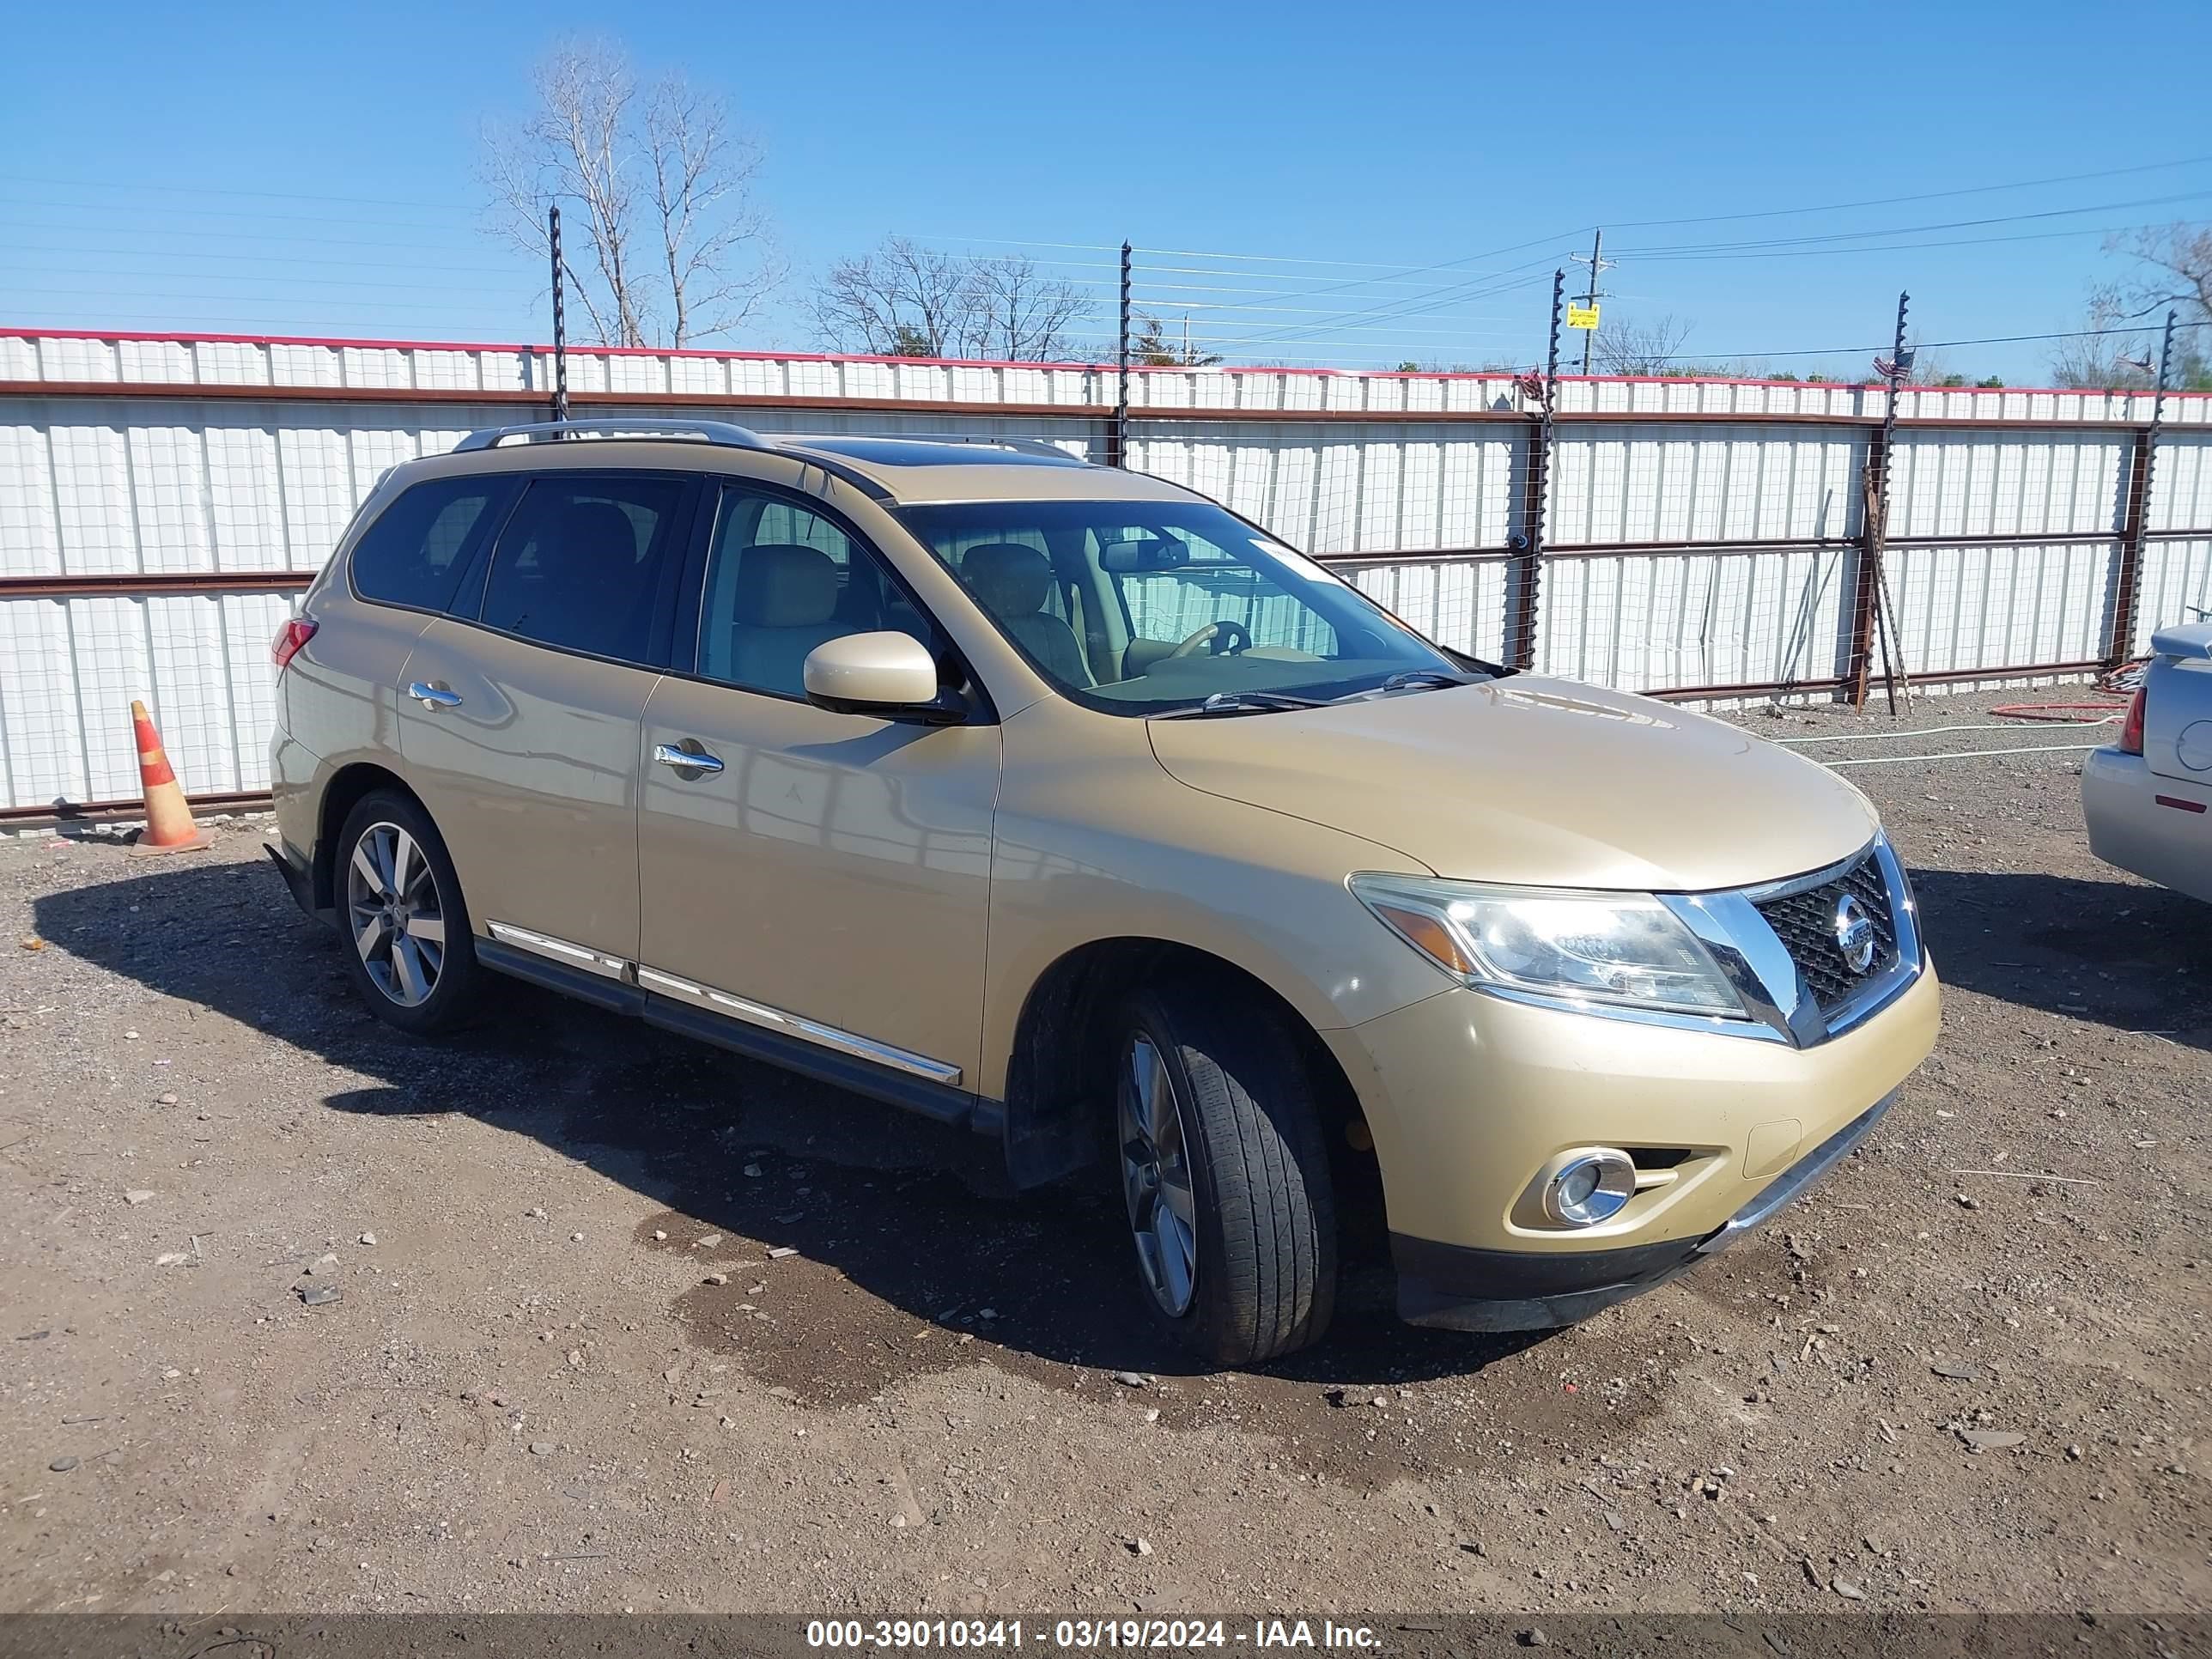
(723, 433)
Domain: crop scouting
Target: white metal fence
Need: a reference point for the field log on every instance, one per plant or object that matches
(160, 500)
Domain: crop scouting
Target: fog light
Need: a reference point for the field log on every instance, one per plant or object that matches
(1591, 1187)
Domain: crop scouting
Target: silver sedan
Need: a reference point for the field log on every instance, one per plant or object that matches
(2148, 797)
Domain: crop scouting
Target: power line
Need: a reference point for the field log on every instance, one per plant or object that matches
(240, 259)
(1621, 224)
(258, 299)
(1448, 294)
(1912, 230)
(1931, 345)
(1901, 247)
(1925, 196)
(228, 213)
(266, 194)
(1484, 287)
(234, 237)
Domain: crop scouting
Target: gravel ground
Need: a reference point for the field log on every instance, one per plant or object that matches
(621, 1322)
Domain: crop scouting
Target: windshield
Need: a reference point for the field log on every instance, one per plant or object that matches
(1144, 607)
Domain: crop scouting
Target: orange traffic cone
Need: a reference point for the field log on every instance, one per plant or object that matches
(169, 826)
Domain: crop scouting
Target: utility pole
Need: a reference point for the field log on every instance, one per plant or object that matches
(560, 329)
(1597, 265)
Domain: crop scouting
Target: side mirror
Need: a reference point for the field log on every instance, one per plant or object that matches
(889, 675)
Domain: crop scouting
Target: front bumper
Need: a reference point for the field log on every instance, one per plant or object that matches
(1457, 1288)
(1470, 1099)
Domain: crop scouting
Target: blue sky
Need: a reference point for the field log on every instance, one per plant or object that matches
(309, 170)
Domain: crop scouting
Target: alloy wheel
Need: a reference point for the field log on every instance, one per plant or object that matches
(395, 915)
(1156, 1178)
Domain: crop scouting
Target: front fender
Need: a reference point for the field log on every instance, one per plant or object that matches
(1090, 845)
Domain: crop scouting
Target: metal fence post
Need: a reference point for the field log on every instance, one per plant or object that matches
(2135, 528)
(1874, 533)
(1526, 583)
(560, 326)
(1119, 443)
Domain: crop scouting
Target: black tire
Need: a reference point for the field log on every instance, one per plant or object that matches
(1264, 1228)
(384, 984)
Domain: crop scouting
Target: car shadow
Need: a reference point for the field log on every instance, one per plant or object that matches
(2122, 953)
(737, 1159)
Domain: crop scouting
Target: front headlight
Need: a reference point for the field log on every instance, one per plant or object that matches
(1622, 949)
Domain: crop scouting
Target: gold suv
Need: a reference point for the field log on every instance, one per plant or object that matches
(1063, 803)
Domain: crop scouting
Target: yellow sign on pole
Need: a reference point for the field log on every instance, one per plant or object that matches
(1581, 316)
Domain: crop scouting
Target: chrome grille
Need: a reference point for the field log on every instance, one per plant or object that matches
(1805, 922)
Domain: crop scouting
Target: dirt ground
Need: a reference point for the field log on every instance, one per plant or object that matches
(571, 1365)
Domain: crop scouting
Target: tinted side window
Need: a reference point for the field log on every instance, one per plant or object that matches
(580, 563)
(415, 552)
(781, 580)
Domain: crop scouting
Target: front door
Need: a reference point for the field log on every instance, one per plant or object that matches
(519, 727)
(825, 876)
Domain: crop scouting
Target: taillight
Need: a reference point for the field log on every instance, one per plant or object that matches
(295, 634)
(2131, 728)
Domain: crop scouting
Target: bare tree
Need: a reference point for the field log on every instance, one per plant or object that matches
(2100, 357)
(714, 245)
(901, 300)
(2177, 261)
(1150, 345)
(908, 300)
(678, 250)
(1931, 367)
(1644, 347)
(1019, 314)
(2173, 272)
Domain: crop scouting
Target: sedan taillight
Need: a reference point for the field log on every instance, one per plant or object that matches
(295, 634)
(2131, 728)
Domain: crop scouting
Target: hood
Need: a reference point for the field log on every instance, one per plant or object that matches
(1537, 781)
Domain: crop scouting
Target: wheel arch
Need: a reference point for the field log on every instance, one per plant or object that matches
(1059, 1065)
(348, 787)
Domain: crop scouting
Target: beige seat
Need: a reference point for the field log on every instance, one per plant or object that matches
(582, 580)
(783, 604)
(1013, 582)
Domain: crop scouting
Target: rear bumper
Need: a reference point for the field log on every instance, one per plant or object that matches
(2156, 827)
(1458, 1287)
(299, 880)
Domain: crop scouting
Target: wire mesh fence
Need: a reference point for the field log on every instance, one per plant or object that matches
(1706, 524)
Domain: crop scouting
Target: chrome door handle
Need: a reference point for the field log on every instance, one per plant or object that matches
(436, 696)
(697, 760)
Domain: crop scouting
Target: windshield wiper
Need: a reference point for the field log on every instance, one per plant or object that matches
(1423, 677)
(1410, 679)
(1243, 702)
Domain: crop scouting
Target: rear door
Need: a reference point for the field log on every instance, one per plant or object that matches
(341, 698)
(519, 711)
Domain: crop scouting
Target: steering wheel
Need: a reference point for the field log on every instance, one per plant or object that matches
(1216, 636)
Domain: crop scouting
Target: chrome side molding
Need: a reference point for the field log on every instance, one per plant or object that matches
(727, 1004)
(559, 950)
(732, 1007)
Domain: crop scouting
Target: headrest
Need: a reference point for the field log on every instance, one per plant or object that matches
(784, 584)
(1008, 577)
(588, 540)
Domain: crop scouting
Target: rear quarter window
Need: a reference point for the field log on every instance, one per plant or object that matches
(415, 552)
